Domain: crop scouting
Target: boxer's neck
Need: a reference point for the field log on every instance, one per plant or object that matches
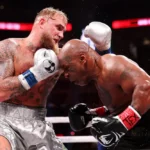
(96, 66)
(33, 41)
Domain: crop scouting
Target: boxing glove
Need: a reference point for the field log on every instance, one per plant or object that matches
(109, 130)
(100, 34)
(80, 116)
(45, 64)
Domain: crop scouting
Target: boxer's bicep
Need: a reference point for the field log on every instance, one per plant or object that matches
(6, 60)
(127, 80)
(133, 81)
(9, 84)
(6, 68)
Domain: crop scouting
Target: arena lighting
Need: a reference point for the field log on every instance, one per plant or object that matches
(130, 23)
(23, 26)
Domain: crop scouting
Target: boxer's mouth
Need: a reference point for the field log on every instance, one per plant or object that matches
(55, 40)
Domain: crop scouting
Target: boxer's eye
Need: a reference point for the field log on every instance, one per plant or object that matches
(71, 69)
(66, 69)
(59, 27)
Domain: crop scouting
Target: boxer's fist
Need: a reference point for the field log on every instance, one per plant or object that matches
(79, 116)
(45, 64)
(100, 34)
(109, 130)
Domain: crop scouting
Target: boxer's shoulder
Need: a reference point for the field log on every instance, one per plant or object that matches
(118, 61)
(11, 41)
(16, 42)
(7, 49)
(109, 56)
(18, 46)
(109, 61)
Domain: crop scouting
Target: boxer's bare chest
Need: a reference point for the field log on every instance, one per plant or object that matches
(37, 95)
(23, 60)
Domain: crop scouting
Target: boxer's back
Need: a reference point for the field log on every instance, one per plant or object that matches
(22, 61)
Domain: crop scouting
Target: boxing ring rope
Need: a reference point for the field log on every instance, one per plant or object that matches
(70, 139)
(57, 119)
(78, 139)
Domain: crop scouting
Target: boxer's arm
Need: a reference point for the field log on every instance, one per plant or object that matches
(46, 64)
(141, 97)
(104, 128)
(10, 87)
(132, 81)
(9, 84)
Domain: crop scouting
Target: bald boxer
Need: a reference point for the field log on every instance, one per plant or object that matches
(29, 69)
(102, 46)
(123, 88)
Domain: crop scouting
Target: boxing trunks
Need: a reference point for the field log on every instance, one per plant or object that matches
(26, 128)
(138, 138)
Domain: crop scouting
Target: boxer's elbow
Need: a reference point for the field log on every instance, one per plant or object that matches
(7, 94)
(4, 96)
(141, 98)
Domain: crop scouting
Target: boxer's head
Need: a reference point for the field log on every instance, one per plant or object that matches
(50, 23)
(76, 61)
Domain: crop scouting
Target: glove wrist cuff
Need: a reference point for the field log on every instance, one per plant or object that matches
(101, 111)
(129, 117)
(27, 79)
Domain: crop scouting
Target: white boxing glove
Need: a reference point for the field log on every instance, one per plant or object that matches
(45, 64)
(100, 34)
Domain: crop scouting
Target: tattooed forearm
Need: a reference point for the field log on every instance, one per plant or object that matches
(11, 86)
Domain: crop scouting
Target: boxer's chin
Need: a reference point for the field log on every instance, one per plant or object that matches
(49, 43)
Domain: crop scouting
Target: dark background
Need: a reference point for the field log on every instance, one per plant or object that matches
(82, 12)
(132, 42)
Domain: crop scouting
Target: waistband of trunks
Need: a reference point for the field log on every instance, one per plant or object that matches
(22, 112)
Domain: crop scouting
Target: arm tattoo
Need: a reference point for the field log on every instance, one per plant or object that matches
(129, 72)
(12, 86)
(8, 82)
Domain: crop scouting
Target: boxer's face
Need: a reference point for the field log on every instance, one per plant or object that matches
(53, 29)
(74, 70)
(56, 27)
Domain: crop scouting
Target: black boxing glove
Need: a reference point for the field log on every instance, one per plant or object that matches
(109, 130)
(79, 116)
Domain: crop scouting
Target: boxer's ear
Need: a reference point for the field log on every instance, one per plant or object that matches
(83, 58)
(41, 22)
